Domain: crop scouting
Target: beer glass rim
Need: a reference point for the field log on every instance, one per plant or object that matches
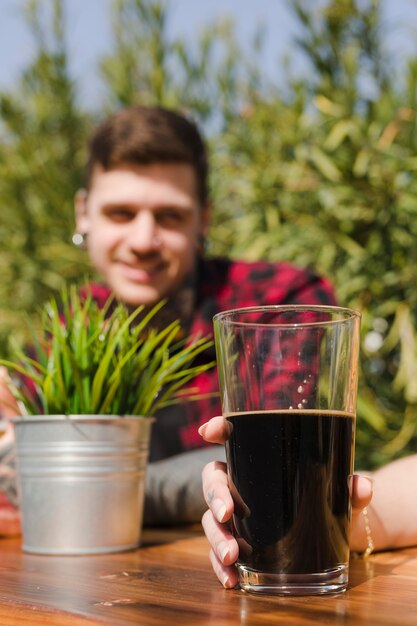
(230, 316)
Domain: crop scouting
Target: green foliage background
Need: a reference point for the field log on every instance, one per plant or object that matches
(321, 172)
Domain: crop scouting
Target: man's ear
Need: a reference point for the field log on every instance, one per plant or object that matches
(82, 221)
(205, 214)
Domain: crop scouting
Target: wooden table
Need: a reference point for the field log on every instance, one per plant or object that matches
(169, 581)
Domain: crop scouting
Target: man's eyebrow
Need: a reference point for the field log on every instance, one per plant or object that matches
(132, 205)
(174, 207)
(117, 205)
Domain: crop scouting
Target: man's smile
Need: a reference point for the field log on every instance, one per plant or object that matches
(143, 272)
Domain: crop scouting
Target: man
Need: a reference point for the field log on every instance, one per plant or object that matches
(143, 217)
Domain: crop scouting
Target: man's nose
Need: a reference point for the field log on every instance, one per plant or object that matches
(144, 235)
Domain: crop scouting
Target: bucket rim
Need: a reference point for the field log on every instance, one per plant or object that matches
(20, 419)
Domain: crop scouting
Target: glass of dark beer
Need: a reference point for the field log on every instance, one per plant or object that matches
(288, 384)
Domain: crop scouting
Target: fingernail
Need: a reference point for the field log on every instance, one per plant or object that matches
(220, 510)
(202, 429)
(224, 551)
(226, 582)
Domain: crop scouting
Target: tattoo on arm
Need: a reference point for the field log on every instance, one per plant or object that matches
(210, 497)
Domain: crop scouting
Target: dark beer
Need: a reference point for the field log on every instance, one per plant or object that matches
(289, 473)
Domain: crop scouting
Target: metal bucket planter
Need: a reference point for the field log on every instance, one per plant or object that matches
(82, 482)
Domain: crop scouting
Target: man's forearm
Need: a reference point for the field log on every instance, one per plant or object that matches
(173, 487)
(392, 512)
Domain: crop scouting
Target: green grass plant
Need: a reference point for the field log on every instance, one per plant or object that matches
(104, 361)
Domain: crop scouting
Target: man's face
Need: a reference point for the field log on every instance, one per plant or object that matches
(143, 225)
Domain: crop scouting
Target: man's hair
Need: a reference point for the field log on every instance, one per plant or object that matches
(142, 135)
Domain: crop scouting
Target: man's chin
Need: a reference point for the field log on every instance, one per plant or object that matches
(137, 296)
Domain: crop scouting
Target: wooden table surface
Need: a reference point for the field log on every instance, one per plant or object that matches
(169, 581)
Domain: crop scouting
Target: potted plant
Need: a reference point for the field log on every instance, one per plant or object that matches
(87, 396)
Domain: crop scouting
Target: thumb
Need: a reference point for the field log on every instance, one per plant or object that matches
(362, 488)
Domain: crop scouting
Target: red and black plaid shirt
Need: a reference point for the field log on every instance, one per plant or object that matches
(221, 285)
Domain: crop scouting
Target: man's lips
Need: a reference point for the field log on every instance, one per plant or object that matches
(141, 273)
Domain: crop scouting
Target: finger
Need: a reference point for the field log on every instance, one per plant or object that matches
(8, 404)
(216, 430)
(362, 487)
(227, 575)
(216, 490)
(222, 542)
(6, 436)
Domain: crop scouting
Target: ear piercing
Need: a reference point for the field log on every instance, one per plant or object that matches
(79, 240)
